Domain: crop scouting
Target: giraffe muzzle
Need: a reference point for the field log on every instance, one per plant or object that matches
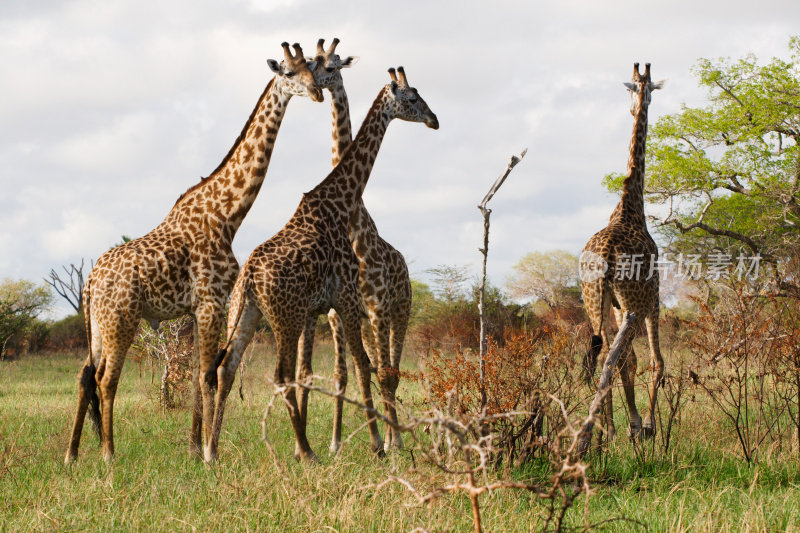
(432, 122)
(315, 93)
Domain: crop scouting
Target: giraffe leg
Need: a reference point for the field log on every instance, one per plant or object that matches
(396, 339)
(387, 376)
(87, 394)
(286, 337)
(305, 371)
(242, 322)
(195, 437)
(627, 365)
(348, 309)
(339, 378)
(370, 343)
(209, 319)
(657, 369)
(116, 341)
(608, 402)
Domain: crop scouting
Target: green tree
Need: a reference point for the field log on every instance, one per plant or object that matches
(21, 301)
(448, 282)
(549, 277)
(729, 173)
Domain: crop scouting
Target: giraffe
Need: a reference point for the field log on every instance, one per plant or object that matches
(183, 266)
(309, 267)
(618, 268)
(384, 286)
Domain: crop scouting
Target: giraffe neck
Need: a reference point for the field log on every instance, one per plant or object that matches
(341, 126)
(361, 227)
(631, 205)
(348, 180)
(225, 197)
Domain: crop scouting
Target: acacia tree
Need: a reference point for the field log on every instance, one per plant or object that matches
(729, 172)
(544, 276)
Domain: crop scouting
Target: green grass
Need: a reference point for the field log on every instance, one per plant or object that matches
(154, 484)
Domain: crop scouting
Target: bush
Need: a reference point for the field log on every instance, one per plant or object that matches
(67, 334)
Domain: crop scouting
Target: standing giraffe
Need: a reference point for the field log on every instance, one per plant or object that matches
(184, 266)
(383, 282)
(309, 266)
(618, 267)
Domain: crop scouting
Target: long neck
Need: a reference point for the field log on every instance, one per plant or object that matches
(631, 205)
(361, 226)
(348, 180)
(225, 197)
(341, 126)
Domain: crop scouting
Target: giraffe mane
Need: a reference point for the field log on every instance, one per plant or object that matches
(204, 180)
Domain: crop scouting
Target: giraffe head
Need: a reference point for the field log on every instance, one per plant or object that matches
(327, 65)
(641, 87)
(293, 75)
(406, 103)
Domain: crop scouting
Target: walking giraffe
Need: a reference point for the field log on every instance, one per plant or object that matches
(384, 287)
(184, 266)
(309, 267)
(618, 267)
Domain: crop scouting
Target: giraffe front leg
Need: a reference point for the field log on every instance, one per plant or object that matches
(348, 310)
(657, 369)
(209, 319)
(242, 322)
(286, 337)
(387, 378)
(305, 349)
(195, 437)
(339, 378)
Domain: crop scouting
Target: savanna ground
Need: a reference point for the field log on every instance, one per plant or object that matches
(700, 484)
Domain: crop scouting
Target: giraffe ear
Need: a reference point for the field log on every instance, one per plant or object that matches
(632, 87)
(658, 84)
(350, 61)
(274, 66)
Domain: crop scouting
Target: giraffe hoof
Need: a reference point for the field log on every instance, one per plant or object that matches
(70, 458)
(648, 432)
(634, 431)
(307, 457)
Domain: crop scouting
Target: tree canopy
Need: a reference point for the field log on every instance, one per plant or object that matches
(728, 173)
(544, 276)
(20, 302)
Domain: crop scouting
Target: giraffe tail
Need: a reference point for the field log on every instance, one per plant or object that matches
(596, 344)
(87, 381)
(211, 375)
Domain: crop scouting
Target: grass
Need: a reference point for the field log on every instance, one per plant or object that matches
(154, 484)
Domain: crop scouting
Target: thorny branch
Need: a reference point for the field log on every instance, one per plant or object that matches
(454, 446)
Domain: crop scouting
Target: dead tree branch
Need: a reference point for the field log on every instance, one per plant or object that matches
(486, 212)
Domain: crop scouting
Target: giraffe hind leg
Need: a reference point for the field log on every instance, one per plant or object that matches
(339, 378)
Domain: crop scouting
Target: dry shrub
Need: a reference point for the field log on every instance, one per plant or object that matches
(171, 345)
(522, 374)
(747, 343)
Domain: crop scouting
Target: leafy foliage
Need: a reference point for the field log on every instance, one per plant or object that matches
(550, 277)
(21, 301)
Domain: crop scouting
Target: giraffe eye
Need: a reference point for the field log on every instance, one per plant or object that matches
(289, 74)
(329, 69)
(413, 100)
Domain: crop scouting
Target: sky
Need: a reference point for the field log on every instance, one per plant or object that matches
(110, 110)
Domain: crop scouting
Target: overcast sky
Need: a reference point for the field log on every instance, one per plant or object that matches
(110, 110)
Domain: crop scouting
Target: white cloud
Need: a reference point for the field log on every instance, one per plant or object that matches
(111, 110)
